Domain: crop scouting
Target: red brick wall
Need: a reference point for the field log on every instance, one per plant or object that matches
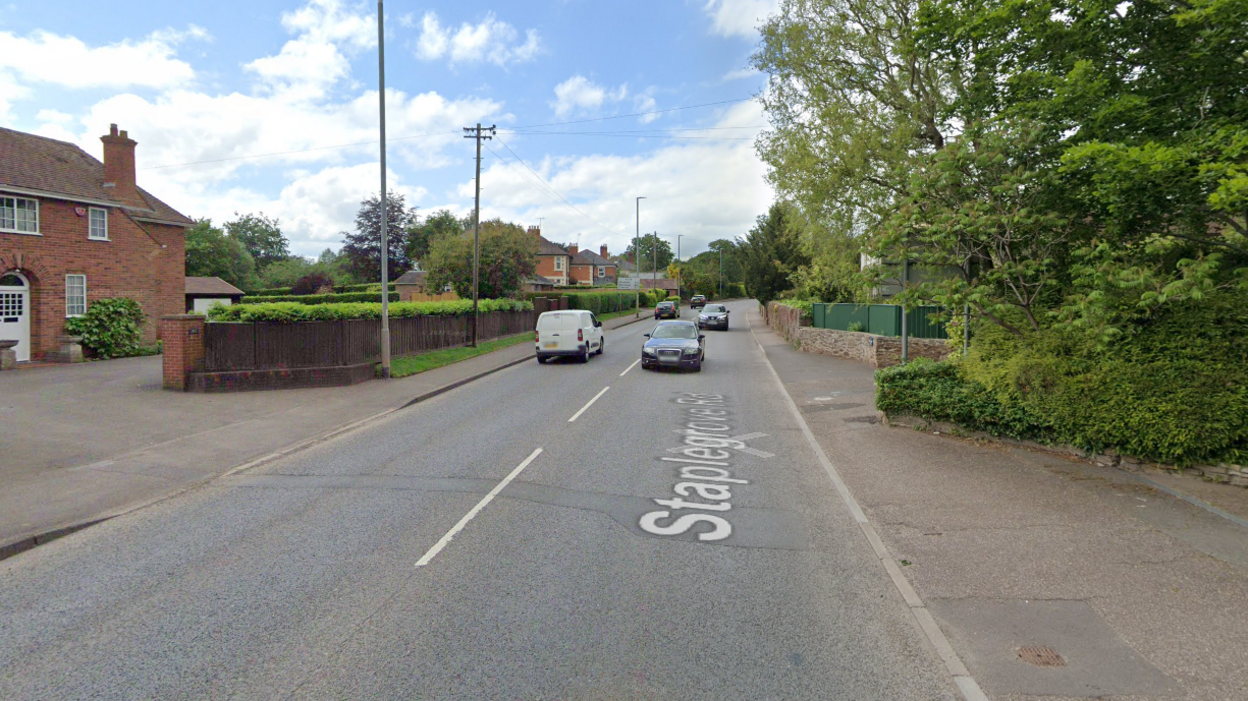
(582, 275)
(546, 267)
(150, 269)
(184, 348)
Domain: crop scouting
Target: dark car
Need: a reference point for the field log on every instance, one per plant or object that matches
(713, 316)
(697, 301)
(674, 344)
(667, 310)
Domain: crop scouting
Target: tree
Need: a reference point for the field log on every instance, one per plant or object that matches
(210, 253)
(363, 248)
(771, 253)
(261, 236)
(421, 237)
(508, 256)
(650, 244)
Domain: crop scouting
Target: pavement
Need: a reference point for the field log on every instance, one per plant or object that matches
(89, 441)
(562, 531)
(1139, 593)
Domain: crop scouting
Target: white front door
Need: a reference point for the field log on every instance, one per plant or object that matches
(15, 313)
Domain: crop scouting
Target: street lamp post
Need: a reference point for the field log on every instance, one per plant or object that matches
(679, 272)
(637, 257)
(385, 239)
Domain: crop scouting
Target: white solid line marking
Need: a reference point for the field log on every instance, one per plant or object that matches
(577, 415)
(630, 367)
(953, 664)
(437, 547)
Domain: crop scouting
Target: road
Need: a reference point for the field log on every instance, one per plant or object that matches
(484, 545)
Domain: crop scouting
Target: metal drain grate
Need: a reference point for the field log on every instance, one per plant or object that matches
(1040, 656)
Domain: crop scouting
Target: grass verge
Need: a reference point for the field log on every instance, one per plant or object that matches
(412, 364)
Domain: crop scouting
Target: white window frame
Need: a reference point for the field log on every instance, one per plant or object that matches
(71, 309)
(4, 204)
(602, 271)
(91, 231)
(558, 262)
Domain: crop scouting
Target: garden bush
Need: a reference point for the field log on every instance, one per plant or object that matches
(802, 305)
(735, 289)
(111, 328)
(312, 283)
(600, 302)
(290, 312)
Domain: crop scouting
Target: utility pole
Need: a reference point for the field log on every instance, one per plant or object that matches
(654, 256)
(637, 257)
(476, 133)
(679, 273)
(905, 327)
(721, 273)
(385, 238)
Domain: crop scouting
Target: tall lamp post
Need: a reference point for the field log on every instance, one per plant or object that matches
(679, 272)
(637, 257)
(385, 239)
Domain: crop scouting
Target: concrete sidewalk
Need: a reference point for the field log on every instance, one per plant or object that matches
(1025, 555)
(85, 442)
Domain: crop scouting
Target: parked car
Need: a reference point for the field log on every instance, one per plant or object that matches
(713, 316)
(571, 333)
(697, 301)
(667, 309)
(674, 344)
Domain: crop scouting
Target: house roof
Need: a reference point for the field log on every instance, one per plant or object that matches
(539, 280)
(61, 169)
(211, 286)
(624, 264)
(588, 257)
(412, 277)
(546, 248)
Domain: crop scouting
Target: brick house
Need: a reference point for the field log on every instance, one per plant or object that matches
(72, 230)
(553, 262)
(589, 268)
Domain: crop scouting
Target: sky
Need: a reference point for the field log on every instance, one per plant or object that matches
(272, 106)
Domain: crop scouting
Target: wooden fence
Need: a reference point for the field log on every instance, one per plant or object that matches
(231, 346)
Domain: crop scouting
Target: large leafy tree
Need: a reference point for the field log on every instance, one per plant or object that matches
(261, 236)
(363, 248)
(441, 223)
(210, 253)
(651, 245)
(771, 253)
(508, 256)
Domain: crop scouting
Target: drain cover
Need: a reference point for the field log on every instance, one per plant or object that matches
(1040, 656)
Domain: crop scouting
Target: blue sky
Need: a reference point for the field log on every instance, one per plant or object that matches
(271, 105)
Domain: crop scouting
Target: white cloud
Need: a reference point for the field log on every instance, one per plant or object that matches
(316, 59)
(739, 17)
(490, 41)
(740, 74)
(645, 103)
(580, 94)
(704, 190)
(44, 57)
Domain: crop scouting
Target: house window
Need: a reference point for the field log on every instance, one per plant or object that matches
(602, 271)
(98, 225)
(19, 215)
(75, 295)
(558, 262)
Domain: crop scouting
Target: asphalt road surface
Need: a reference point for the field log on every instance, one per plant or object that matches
(677, 540)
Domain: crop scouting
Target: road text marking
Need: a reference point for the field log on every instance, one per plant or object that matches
(577, 415)
(630, 367)
(437, 547)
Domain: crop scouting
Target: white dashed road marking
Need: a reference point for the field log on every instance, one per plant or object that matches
(577, 415)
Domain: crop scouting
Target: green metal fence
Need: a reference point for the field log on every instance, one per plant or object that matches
(879, 319)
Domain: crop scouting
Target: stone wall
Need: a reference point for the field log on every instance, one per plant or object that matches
(876, 351)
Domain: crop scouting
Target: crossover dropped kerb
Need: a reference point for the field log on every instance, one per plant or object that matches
(703, 471)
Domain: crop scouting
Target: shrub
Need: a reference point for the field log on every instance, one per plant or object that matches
(938, 392)
(333, 298)
(289, 312)
(600, 302)
(735, 289)
(802, 305)
(111, 328)
(312, 283)
(855, 326)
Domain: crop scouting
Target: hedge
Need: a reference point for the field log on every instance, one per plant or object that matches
(287, 291)
(333, 298)
(293, 311)
(735, 290)
(802, 305)
(600, 303)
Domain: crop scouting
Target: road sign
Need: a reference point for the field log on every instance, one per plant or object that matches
(628, 283)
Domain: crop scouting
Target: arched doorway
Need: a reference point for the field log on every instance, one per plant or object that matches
(15, 312)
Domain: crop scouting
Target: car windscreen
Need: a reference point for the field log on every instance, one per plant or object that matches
(665, 305)
(675, 331)
(711, 308)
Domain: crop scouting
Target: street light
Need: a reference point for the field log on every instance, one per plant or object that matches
(679, 272)
(385, 239)
(637, 257)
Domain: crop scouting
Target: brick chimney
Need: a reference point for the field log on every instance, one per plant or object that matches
(602, 251)
(536, 231)
(119, 167)
(572, 248)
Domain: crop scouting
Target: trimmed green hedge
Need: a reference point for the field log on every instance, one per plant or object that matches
(600, 303)
(339, 289)
(289, 312)
(734, 289)
(938, 392)
(334, 298)
(802, 305)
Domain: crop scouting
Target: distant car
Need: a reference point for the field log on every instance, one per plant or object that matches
(674, 344)
(575, 333)
(697, 301)
(713, 316)
(667, 310)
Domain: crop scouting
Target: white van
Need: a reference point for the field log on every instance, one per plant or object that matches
(573, 332)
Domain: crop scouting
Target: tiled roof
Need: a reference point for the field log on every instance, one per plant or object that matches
(411, 277)
(210, 286)
(546, 248)
(38, 163)
(588, 257)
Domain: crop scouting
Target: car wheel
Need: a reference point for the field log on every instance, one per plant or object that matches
(542, 359)
(585, 356)
(698, 367)
(602, 345)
